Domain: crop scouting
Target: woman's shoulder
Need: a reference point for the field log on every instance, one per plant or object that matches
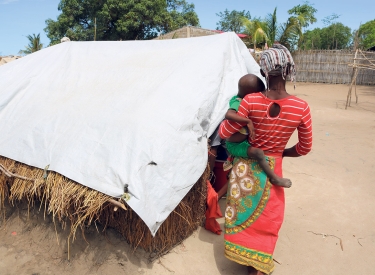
(254, 96)
(291, 100)
(296, 101)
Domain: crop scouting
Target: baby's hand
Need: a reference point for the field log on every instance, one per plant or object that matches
(250, 126)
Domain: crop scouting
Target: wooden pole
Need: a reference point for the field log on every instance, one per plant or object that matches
(349, 97)
(95, 30)
(355, 90)
(354, 76)
(350, 90)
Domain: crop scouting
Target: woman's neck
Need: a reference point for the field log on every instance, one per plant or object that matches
(276, 88)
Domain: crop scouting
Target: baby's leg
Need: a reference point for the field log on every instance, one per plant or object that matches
(258, 154)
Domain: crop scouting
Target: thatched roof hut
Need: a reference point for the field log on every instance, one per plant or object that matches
(186, 32)
(116, 132)
(7, 59)
(191, 31)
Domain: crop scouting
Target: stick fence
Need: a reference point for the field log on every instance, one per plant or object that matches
(332, 66)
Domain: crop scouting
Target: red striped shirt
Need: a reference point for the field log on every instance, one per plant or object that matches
(272, 133)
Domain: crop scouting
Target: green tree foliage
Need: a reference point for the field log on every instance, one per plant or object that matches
(180, 14)
(262, 31)
(305, 14)
(232, 21)
(335, 36)
(272, 28)
(268, 31)
(301, 17)
(256, 29)
(290, 33)
(366, 35)
(119, 19)
(331, 20)
(312, 39)
(33, 46)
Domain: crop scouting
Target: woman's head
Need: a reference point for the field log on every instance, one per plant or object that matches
(277, 61)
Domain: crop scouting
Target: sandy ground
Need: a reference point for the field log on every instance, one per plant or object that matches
(332, 198)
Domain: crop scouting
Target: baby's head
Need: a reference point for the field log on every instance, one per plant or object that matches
(249, 84)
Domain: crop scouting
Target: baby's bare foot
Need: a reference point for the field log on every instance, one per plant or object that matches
(287, 183)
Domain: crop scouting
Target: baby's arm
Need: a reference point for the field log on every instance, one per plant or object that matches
(233, 116)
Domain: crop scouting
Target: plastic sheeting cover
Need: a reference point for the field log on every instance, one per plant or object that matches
(100, 112)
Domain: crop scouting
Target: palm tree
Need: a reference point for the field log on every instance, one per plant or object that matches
(263, 31)
(34, 44)
(257, 30)
(290, 33)
(268, 30)
(302, 15)
(272, 28)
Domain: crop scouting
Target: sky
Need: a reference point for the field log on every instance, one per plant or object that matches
(19, 18)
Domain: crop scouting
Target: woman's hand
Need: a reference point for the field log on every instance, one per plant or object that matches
(291, 152)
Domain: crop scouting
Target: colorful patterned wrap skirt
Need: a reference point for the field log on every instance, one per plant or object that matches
(253, 215)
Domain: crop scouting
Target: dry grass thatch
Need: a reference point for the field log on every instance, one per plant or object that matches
(72, 203)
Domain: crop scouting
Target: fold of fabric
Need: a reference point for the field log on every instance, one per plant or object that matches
(253, 215)
(213, 211)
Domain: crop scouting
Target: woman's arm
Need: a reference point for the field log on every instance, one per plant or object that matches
(304, 144)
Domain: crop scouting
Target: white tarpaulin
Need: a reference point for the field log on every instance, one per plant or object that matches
(106, 114)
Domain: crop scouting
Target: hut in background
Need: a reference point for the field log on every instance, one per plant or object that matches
(191, 31)
(7, 59)
(186, 32)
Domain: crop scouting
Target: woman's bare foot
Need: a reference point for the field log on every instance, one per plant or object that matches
(253, 271)
(283, 182)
